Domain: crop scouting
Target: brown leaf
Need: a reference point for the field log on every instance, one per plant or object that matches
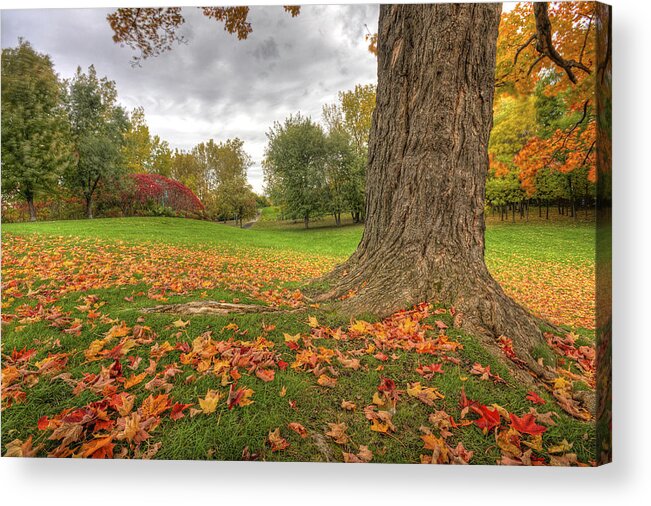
(348, 406)
(265, 375)
(298, 428)
(326, 381)
(19, 449)
(276, 441)
(338, 433)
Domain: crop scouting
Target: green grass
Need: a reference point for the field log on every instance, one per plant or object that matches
(224, 434)
(561, 242)
(328, 242)
(553, 241)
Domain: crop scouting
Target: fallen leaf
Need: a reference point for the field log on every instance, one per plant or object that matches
(209, 402)
(276, 441)
(177, 410)
(326, 381)
(488, 418)
(535, 398)
(239, 397)
(562, 447)
(526, 424)
(347, 405)
(298, 428)
(265, 375)
(180, 324)
(338, 433)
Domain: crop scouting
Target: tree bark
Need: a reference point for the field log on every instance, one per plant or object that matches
(31, 207)
(89, 207)
(426, 175)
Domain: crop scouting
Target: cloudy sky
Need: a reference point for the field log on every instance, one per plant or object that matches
(216, 86)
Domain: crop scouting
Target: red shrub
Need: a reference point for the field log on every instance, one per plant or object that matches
(163, 191)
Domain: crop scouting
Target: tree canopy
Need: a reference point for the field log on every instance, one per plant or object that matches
(35, 134)
(98, 126)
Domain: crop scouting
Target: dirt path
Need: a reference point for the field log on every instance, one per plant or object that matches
(249, 224)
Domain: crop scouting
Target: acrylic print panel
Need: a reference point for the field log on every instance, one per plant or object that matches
(328, 233)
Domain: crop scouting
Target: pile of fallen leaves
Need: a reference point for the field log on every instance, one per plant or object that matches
(563, 294)
(46, 268)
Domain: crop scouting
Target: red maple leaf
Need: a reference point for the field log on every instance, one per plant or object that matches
(43, 423)
(526, 424)
(177, 410)
(387, 385)
(488, 418)
(535, 398)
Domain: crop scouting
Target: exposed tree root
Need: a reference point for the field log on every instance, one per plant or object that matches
(216, 308)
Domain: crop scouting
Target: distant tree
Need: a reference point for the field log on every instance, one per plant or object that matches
(294, 167)
(233, 195)
(35, 134)
(343, 168)
(187, 170)
(161, 157)
(235, 199)
(206, 155)
(353, 114)
(217, 173)
(503, 191)
(137, 148)
(98, 127)
(262, 201)
(514, 123)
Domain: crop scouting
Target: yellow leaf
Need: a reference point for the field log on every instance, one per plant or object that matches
(326, 381)
(426, 395)
(562, 447)
(209, 402)
(377, 400)
(291, 339)
(134, 379)
(535, 443)
(359, 326)
(180, 324)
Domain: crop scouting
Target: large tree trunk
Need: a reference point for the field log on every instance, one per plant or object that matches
(426, 174)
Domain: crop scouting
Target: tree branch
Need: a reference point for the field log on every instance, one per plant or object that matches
(545, 46)
(521, 48)
(585, 39)
(536, 62)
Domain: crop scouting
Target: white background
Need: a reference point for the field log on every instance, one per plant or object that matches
(625, 482)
